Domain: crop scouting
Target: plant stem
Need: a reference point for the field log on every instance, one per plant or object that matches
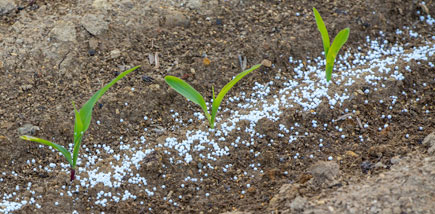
(73, 174)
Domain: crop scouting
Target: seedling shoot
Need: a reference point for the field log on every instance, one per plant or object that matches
(82, 121)
(193, 95)
(331, 51)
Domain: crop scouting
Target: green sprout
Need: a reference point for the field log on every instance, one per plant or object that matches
(193, 95)
(82, 121)
(330, 51)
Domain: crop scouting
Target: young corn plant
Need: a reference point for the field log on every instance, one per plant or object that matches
(193, 95)
(331, 51)
(82, 121)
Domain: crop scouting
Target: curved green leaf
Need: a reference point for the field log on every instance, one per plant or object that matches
(83, 117)
(323, 31)
(86, 110)
(188, 92)
(338, 42)
(58, 147)
(224, 91)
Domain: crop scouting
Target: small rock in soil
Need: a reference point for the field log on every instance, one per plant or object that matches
(325, 173)
(6, 6)
(297, 205)
(429, 141)
(146, 78)
(25, 87)
(115, 54)
(175, 19)
(287, 192)
(266, 63)
(101, 4)
(380, 165)
(377, 151)
(194, 4)
(351, 154)
(28, 129)
(95, 24)
(91, 52)
(64, 31)
(218, 21)
(366, 166)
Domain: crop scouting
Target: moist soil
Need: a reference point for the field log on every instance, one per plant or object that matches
(56, 52)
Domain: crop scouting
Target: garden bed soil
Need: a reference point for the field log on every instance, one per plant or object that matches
(56, 52)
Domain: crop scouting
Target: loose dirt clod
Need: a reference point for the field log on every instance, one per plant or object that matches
(429, 141)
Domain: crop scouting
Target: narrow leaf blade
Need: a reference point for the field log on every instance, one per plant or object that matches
(187, 91)
(78, 124)
(77, 143)
(58, 147)
(323, 31)
(328, 71)
(86, 110)
(338, 42)
(217, 102)
(78, 135)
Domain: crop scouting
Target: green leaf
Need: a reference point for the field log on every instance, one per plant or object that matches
(84, 116)
(217, 102)
(78, 124)
(86, 110)
(78, 135)
(188, 92)
(338, 42)
(58, 147)
(322, 28)
(328, 71)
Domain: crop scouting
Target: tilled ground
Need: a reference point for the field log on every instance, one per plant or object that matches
(55, 52)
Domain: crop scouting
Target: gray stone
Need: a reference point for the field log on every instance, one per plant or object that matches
(287, 192)
(297, 205)
(64, 31)
(101, 4)
(27, 129)
(95, 24)
(325, 173)
(429, 141)
(175, 18)
(194, 4)
(380, 165)
(6, 6)
(115, 53)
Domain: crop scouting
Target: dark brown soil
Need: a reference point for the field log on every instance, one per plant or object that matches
(41, 75)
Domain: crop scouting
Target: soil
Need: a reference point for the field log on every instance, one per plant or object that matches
(55, 52)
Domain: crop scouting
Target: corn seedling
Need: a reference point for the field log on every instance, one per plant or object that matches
(82, 121)
(331, 51)
(193, 95)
